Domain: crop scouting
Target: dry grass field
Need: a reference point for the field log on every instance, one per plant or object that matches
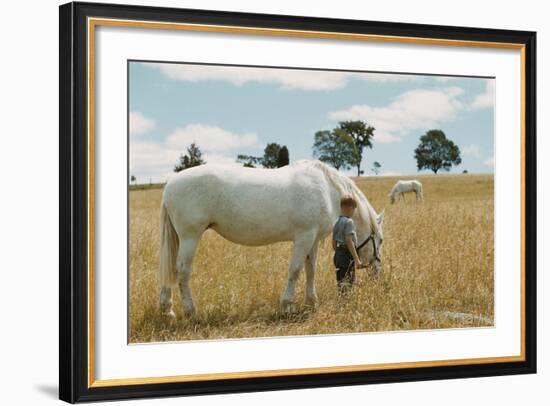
(437, 272)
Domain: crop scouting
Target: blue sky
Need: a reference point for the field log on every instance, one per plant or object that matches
(237, 110)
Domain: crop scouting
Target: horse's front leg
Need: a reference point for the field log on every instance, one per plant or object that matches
(311, 265)
(302, 246)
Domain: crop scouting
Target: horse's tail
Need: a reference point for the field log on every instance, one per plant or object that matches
(169, 244)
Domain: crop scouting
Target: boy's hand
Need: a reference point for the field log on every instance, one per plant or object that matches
(358, 264)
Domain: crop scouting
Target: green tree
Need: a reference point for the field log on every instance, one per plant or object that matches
(249, 161)
(436, 152)
(376, 167)
(334, 149)
(271, 155)
(270, 159)
(132, 179)
(362, 135)
(191, 159)
(282, 157)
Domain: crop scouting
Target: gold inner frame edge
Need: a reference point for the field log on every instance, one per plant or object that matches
(93, 22)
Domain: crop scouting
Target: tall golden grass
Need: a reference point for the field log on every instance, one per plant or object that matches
(437, 263)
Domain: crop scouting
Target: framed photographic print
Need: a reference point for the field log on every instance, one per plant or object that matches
(257, 202)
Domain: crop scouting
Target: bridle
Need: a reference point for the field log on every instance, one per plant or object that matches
(375, 250)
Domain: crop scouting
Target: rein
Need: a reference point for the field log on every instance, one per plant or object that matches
(369, 238)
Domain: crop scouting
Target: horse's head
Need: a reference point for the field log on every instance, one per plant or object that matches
(392, 198)
(370, 247)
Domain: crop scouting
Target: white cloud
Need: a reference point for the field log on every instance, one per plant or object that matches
(471, 150)
(490, 161)
(151, 159)
(487, 98)
(220, 159)
(139, 124)
(285, 78)
(419, 109)
(210, 138)
(156, 160)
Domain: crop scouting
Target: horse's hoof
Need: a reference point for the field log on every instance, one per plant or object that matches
(167, 311)
(189, 312)
(312, 302)
(288, 307)
(169, 314)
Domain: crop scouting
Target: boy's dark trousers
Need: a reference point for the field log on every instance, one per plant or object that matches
(345, 269)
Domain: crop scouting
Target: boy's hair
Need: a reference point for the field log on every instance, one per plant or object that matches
(348, 201)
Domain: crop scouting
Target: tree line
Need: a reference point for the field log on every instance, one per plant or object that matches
(344, 148)
(275, 156)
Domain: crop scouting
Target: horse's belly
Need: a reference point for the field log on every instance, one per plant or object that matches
(253, 236)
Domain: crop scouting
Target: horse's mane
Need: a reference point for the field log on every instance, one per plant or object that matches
(346, 186)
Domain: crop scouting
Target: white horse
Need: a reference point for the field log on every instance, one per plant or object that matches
(298, 203)
(406, 186)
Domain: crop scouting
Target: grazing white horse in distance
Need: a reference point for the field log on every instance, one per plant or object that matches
(406, 186)
(253, 206)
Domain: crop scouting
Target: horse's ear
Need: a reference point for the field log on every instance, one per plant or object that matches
(380, 218)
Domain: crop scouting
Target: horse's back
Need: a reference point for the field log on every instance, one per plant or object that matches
(408, 183)
(230, 182)
(244, 203)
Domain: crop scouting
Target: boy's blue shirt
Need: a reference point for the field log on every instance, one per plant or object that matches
(344, 226)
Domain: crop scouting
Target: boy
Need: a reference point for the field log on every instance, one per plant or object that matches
(344, 240)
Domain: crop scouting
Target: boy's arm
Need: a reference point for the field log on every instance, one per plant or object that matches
(351, 248)
(334, 244)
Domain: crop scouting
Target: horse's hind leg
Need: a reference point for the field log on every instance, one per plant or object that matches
(186, 253)
(166, 301)
(311, 263)
(302, 246)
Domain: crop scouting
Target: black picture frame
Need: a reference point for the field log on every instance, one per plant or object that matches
(73, 206)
